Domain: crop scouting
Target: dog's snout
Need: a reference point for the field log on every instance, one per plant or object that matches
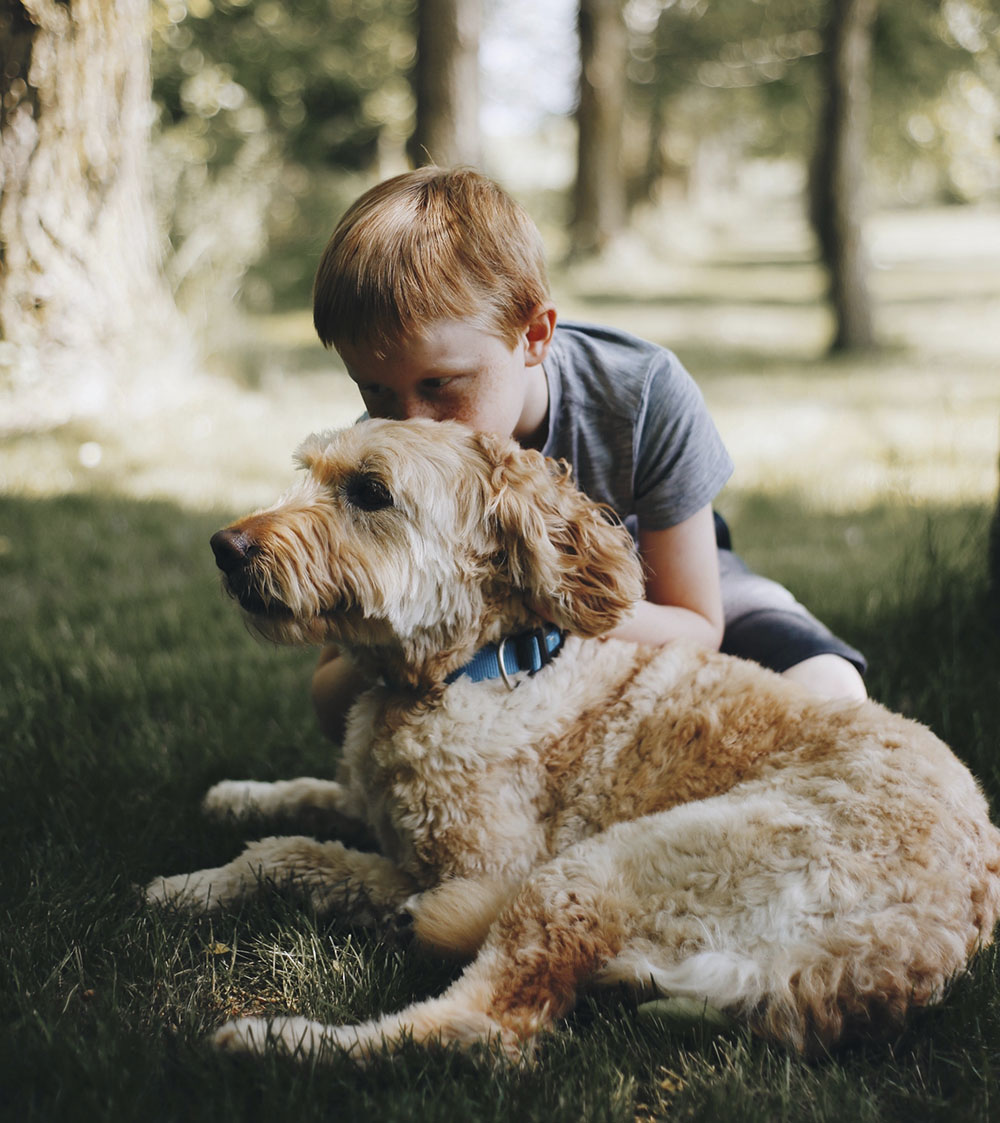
(232, 548)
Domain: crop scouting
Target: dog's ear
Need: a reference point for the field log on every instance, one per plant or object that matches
(313, 449)
(576, 562)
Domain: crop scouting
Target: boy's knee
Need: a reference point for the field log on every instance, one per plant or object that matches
(829, 676)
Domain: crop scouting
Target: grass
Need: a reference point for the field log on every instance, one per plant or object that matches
(128, 685)
(131, 686)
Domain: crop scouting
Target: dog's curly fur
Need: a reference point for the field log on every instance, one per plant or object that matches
(671, 819)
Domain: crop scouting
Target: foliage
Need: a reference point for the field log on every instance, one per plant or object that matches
(328, 75)
(131, 685)
(746, 73)
(272, 116)
(258, 102)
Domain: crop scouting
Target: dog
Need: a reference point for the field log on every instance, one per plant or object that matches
(566, 810)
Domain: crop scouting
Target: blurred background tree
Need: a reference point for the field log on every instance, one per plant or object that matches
(446, 83)
(838, 197)
(716, 86)
(599, 195)
(745, 76)
(83, 307)
(270, 117)
(286, 111)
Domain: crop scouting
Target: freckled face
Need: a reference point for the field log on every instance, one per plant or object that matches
(455, 370)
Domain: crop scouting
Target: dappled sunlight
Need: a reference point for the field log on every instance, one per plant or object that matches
(222, 446)
(917, 423)
(856, 437)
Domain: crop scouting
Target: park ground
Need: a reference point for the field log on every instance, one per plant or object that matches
(128, 685)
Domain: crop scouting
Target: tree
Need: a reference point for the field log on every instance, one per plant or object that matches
(599, 198)
(446, 83)
(837, 185)
(993, 562)
(83, 309)
(262, 124)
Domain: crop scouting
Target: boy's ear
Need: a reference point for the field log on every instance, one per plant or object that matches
(578, 568)
(538, 333)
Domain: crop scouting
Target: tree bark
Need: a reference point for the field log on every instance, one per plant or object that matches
(446, 83)
(993, 560)
(84, 313)
(837, 185)
(599, 200)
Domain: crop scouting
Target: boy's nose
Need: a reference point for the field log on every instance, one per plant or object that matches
(407, 409)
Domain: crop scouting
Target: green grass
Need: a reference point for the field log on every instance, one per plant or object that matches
(128, 685)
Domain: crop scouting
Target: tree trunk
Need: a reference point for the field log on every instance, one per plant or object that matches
(446, 83)
(993, 562)
(599, 203)
(84, 313)
(837, 187)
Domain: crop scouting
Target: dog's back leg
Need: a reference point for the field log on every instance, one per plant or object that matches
(554, 935)
(454, 917)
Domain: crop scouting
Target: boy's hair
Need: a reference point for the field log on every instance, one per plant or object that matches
(428, 245)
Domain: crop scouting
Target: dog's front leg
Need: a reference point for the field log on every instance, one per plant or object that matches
(321, 805)
(457, 1017)
(363, 887)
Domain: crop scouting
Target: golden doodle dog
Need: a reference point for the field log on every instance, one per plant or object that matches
(678, 821)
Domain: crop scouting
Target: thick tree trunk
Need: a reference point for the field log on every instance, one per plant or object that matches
(599, 202)
(837, 187)
(84, 313)
(446, 83)
(993, 561)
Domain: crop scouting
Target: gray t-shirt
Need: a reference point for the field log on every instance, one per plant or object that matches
(631, 421)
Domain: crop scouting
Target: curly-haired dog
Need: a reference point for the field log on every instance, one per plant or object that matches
(675, 820)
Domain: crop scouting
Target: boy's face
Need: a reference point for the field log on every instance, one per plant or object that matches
(456, 370)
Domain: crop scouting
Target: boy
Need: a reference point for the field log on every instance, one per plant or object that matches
(433, 289)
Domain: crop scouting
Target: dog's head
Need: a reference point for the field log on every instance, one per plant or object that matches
(419, 541)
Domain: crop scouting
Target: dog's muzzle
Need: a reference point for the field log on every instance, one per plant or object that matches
(232, 549)
(234, 552)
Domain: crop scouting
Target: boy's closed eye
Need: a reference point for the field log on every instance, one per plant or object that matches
(427, 384)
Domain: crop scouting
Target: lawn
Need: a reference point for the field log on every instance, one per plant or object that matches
(128, 685)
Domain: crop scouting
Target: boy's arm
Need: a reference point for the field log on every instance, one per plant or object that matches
(683, 597)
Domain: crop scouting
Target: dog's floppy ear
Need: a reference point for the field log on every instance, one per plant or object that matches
(579, 567)
(313, 448)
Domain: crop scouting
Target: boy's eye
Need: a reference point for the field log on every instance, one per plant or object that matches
(436, 383)
(368, 493)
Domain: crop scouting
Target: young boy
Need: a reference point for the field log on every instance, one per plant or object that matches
(433, 290)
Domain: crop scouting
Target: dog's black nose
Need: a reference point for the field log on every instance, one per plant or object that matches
(231, 549)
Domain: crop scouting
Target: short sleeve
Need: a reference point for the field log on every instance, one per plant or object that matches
(680, 461)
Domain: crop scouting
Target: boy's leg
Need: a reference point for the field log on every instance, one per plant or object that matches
(336, 683)
(765, 623)
(830, 676)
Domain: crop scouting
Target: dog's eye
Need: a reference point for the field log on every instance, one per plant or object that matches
(368, 493)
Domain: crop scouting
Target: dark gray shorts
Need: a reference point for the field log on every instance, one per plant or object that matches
(765, 623)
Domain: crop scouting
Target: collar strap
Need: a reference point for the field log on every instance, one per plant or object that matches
(528, 651)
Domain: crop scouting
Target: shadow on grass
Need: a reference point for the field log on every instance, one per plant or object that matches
(129, 685)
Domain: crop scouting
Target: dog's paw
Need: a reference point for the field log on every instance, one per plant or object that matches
(201, 892)
(256, 1036)
(235, 799)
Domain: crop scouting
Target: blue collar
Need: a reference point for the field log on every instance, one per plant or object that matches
(528, 651)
